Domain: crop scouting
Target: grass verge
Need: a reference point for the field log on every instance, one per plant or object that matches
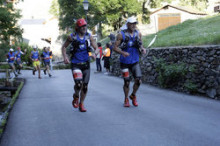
(6, 113)
(203, 31)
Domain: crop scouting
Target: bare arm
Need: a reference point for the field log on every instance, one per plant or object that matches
(143, 50)
(30, 56)
(94, 45)
(66, 44)
(117, 43)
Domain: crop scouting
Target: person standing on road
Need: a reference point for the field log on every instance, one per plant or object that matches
(130, 42)
(107, 54)
(80, 42)
(98, 58)
(11, 58)
(35, 57)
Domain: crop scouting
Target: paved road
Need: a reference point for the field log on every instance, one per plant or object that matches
(43, 116)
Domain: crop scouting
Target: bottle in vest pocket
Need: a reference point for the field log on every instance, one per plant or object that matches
(125, 73)
(77, 74)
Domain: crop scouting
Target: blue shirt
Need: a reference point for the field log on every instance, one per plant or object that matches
(11, 57)
(35, 55)
(46, 56)
(134, 53)
(81, 54)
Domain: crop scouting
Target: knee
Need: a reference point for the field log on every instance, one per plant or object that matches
(126, 83)
(78, 85)
(138, 81)
(85, 87)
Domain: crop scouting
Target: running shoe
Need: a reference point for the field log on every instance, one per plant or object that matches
(81, 107)
(75, 102)
(134, 100)
(126, 103)
(34, 72)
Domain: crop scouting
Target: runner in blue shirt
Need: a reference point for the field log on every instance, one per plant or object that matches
(46, 60)
(80, 64)
(11, 58)
(18, 55)
(129, 40)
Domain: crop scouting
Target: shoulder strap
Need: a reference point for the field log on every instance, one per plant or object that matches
(73, 36)
(136, 34)
(123, 35)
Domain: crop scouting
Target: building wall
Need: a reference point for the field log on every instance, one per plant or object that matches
(35, 30)
(184, 16)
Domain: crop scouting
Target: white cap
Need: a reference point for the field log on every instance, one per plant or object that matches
(34, 46)
(129, 20)
(132, 20)
(11, 50)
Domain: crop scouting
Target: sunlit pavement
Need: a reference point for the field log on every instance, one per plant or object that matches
(43, 115)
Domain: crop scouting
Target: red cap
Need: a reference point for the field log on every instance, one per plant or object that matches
(81, 22)
(19, 48)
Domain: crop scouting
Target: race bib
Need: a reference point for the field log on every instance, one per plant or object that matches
(125, 73)
(77, 74)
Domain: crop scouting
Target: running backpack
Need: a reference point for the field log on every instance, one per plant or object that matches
(75, 43)
(126, 38)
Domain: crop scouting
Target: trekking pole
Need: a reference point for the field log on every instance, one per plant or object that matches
(148, 47)
(151, 43)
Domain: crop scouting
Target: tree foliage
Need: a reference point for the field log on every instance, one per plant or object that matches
(8, 25)
(111, 12)
(114, 12)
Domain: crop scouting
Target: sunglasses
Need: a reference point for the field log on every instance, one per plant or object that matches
(84, 26)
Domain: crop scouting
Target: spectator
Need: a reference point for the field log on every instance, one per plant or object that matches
(107, 54)
(98, 58)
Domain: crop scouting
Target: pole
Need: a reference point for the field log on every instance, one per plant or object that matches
(86, 16)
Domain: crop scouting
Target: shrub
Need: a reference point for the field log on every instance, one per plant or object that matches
(169, 74)
(190, 86)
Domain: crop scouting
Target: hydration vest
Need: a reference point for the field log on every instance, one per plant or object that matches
(11, 57)
(34, 55)
(126, 42)
(18, 54)
(46, 56)
(130, 44)
(80, 48)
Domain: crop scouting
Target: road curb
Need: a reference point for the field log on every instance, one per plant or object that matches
(3, 121)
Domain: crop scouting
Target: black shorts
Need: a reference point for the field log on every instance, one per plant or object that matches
(135, 69)
(85, 69)
(46, 63)
(107, 62)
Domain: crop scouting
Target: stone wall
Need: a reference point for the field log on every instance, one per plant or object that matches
(204, 59)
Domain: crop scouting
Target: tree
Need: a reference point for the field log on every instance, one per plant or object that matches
(114, 12)
(8, 25)
(101, 11)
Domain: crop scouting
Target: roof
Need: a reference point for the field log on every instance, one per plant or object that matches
(32, 21)
(185, 9)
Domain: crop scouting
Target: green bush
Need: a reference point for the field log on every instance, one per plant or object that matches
(190, 86)
(169, 74)
(5, 66)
